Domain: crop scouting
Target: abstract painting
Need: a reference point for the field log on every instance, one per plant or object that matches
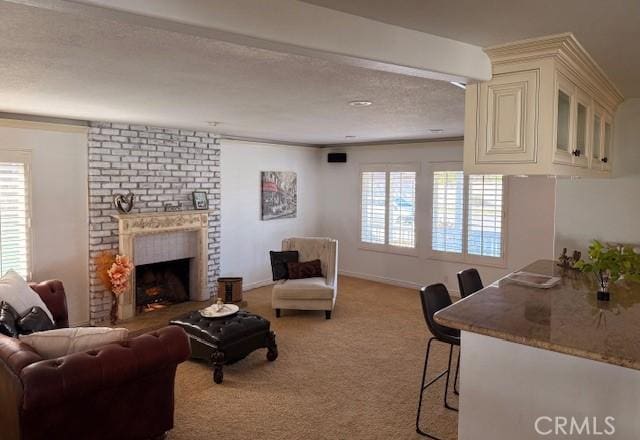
(279, 194)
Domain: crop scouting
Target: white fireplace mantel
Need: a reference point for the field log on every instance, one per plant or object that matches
(132, 225)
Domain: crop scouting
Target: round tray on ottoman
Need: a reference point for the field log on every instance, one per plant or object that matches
(226, 340)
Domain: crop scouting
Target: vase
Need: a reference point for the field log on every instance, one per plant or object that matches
(114, 308)
(603, 292)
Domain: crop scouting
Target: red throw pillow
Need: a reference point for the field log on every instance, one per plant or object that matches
(304, 269)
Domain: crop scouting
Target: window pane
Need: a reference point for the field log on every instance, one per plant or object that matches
(13, 218)
(448, 208)
(484, 225)
(374, 206)
(402, 208)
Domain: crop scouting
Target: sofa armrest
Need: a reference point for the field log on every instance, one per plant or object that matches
(50, 382)
(53, 295)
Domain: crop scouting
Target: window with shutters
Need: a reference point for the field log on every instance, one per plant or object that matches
(468, 216)
(388, 207)
(14, 213)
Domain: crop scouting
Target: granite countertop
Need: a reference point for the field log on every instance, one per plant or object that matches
(566, 318)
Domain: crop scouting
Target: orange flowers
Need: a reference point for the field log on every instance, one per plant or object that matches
(119, 274)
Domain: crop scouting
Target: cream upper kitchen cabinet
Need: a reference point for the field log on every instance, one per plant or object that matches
(548, 109)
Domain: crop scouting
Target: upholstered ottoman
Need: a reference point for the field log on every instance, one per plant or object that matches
(221, 341)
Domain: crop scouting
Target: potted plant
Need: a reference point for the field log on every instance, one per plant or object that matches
(609, 263)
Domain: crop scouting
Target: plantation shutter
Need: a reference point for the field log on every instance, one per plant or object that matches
(448, 211)
(485, 212)
(14, 215)
(402, 208)
(374, 207)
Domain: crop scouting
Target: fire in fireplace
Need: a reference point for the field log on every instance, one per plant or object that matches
(161, 284)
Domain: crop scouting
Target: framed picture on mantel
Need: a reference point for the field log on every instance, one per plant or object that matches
(200, 200)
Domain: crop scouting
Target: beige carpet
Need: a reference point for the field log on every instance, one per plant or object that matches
(355, 376)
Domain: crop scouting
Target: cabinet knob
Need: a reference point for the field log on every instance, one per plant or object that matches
(604, 160)
(577, 153)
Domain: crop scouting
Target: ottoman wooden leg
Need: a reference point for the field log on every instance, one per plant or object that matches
(272, 347)
(218, 362)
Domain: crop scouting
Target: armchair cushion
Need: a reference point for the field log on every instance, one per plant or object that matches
(16, 291)
(34, 320)
(305, 269)
(8, 318)
(61, 342)
(305, 288)
(279, 263)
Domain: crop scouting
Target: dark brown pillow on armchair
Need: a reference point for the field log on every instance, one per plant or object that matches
(305, 269)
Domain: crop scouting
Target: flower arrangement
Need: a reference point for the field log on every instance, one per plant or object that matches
(114, 271)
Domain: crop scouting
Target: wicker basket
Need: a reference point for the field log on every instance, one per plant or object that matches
(230, 289)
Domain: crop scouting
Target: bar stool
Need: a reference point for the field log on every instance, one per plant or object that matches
(469, 282)
(435, 298)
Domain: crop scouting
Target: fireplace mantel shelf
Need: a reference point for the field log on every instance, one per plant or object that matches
(160, 214)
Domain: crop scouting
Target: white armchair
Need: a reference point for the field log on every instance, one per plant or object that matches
(317, 293)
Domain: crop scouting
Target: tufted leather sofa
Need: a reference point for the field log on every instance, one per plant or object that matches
(120, 391)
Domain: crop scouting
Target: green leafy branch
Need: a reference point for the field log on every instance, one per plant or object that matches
(617, 261)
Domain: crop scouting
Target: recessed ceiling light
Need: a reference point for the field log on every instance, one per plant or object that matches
(349, 137)
(212, 123)
(360, 103)
(436, 130)
(459, 84)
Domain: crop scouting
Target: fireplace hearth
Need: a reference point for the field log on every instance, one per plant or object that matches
(162, 284)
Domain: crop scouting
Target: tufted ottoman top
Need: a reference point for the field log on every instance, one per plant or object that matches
(222, 331)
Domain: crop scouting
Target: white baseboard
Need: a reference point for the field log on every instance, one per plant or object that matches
(379, 279)
(257, 284)
(391, 281)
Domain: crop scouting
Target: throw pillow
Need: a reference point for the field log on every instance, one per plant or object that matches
(8, 318)
(279, 261)
(35, 320)
(16, 291)
(306, 269)
(61, 342)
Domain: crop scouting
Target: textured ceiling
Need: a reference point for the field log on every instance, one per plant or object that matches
(61, 65)
(608, 29)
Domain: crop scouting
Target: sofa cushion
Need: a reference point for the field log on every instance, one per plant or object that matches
(306, 288)
(61, 342)
(8, 318)
(305, 269)
(16, 291)
(279, 262)
(34, 320)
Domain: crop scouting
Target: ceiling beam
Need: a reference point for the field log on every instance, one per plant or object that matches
(292, 26)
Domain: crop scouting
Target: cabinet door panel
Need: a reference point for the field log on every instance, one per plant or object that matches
(583, 124)
(607, 142)
(596, 138)
(564, 121)
(508, 114)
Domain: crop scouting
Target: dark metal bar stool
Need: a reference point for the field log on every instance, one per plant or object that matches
(469, 282)
(435, 298)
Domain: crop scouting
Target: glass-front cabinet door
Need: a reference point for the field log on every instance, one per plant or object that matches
(596, 139)
(564, 138)
(581, 149)
(607, 142)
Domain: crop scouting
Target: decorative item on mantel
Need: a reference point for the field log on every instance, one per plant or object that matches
(172, 206)
(610, 263)
(114, 271)
(123, 202)
(200, 200)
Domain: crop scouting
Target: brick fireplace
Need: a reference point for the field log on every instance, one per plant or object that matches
(158, 165)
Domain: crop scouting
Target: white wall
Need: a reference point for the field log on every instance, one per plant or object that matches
(605, 209)
(530, 217)
(59, 204)
(247, 240)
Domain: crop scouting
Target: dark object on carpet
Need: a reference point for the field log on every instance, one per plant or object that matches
(279, 261)
(34, 320)
(8, 318)
(227, 340)
(305, 269)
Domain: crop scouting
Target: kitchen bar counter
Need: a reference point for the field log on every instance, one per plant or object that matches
(566, 318)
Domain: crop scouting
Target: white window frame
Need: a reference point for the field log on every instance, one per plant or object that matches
(24, 157)
(388, 248)
(464, 257)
